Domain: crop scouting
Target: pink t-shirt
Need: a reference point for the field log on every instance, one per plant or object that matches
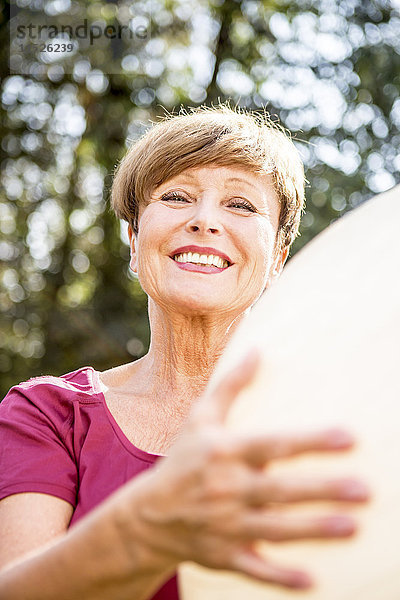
(58, 437)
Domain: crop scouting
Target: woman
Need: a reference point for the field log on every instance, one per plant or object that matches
(213, 200)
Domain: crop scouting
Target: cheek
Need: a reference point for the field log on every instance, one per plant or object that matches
(152, 231)
(157, 226)
(263, 238)
(152, 249)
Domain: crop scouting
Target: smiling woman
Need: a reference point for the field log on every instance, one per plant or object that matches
(215, 136)
(235, 209)
(213, 201)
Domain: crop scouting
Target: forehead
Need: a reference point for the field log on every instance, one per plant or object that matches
(224, 177)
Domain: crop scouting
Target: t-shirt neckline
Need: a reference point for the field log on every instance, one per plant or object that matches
(94, 380)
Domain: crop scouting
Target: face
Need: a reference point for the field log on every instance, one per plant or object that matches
(226, 217)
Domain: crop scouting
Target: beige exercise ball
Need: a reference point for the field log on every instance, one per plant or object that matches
(329, 331)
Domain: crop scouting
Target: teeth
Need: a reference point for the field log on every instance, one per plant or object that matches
(202, 259)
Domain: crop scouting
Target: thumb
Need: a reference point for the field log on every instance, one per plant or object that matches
(215, 405)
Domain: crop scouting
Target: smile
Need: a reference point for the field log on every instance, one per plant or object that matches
(201, 259)
(202, 266)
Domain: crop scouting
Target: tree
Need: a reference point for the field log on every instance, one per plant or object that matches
(330, 71)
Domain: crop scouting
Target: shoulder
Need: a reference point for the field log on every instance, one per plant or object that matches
(81, 381)
(52, 395)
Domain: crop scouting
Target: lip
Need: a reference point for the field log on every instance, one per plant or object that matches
(202, 250)
(208, 269)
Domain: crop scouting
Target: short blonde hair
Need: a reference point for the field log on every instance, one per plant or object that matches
(217, 135)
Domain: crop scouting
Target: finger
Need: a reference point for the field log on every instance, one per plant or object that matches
(278, 527)
(215, 406)
(265, 489)
(261, 448)
(252, 564)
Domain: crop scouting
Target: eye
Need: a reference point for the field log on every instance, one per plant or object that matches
(174, 197)
(239, 203)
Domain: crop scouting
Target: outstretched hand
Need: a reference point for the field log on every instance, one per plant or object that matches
(213, 498)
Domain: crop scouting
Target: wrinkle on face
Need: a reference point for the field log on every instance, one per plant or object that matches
(192, 316)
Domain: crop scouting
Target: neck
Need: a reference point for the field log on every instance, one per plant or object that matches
(183, 353)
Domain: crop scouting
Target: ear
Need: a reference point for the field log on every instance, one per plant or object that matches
(132, 244)
(280, 262)
(277, 267)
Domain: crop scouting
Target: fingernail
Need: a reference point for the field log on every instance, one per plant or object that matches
(300, 580)
(254, 353)
(339, 525)
(355, 490)
(338, 438)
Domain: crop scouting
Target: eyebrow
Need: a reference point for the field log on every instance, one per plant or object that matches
(242, 181)
(237, 179)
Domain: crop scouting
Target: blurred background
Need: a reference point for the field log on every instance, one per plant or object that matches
(329, 70)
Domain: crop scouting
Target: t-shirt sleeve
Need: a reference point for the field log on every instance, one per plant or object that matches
(34, 456)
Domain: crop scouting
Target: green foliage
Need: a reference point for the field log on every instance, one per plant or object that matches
(330, 71)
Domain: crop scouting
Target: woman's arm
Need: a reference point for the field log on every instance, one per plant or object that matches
(209, 502)
(28, 521)
(98, 558)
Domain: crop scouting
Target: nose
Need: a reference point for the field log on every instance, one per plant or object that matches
(205, 217)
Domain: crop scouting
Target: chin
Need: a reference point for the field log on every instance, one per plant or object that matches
(197, 303)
